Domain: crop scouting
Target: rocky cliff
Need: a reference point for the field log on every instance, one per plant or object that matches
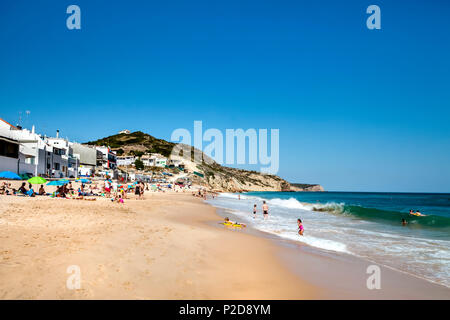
(228, 179)
(306, 187)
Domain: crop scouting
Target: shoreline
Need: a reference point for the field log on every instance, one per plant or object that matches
(351, 271)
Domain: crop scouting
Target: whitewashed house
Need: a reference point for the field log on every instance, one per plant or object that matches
(109, 157)
(59, 157)
(31, 150)
(154, 160)
(125, 161)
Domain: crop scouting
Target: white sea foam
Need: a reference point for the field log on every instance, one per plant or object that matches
(234, 196)
(293, 203)
(287, 203)
(313, 241)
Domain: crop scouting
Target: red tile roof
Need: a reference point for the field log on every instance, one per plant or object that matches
(8, 123)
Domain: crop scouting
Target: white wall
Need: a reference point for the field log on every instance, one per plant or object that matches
(8, 164)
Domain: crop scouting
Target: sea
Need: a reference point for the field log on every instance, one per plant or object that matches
(364, 224)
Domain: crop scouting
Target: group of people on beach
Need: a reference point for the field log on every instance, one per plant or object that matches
(139, 189)
(7, 189)
(203, 193)
(265, 210)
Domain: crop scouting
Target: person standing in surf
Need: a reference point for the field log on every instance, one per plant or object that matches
(300, 227)
(265, 209)
(254, 211)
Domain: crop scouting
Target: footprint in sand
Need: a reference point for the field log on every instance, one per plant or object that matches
(128, 285)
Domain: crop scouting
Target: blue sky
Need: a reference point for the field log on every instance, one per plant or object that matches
(357, 109)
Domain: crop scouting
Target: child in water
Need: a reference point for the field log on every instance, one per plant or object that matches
(254, 211)
(300, 227)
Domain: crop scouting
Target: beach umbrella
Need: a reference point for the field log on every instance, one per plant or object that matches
(56, 183)
(9, 175)
(37, 180)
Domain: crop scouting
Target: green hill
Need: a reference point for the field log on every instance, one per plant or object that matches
(135, 143)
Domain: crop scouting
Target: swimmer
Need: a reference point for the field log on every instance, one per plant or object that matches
(417, 213)
(300, 227)
(265, 209)
(404, 222)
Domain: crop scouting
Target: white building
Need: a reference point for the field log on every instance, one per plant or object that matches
(9, 154)
(154, 160)
(37, 155)
(124, 131)
(109, 157)
(86, 157)
(147, 160)
(59, 157)
(31, 150)
(125, 161)
(175, 162)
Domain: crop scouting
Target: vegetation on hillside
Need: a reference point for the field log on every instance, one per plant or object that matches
(136, 143)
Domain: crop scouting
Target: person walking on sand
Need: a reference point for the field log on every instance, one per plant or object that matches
(300, 227)
(141, 196)
(114, 186)
(265, 209)
(254, 211)
(137, 191)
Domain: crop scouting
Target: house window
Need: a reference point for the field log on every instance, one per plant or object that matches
(8, 149)
(57, 167)
(30, 160)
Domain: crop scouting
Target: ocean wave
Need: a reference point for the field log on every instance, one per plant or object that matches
(290, 203)
(382, 215)
(388, 216)
(233, 196)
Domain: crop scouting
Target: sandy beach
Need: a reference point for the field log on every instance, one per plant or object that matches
(163, 247)
(170, 246)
